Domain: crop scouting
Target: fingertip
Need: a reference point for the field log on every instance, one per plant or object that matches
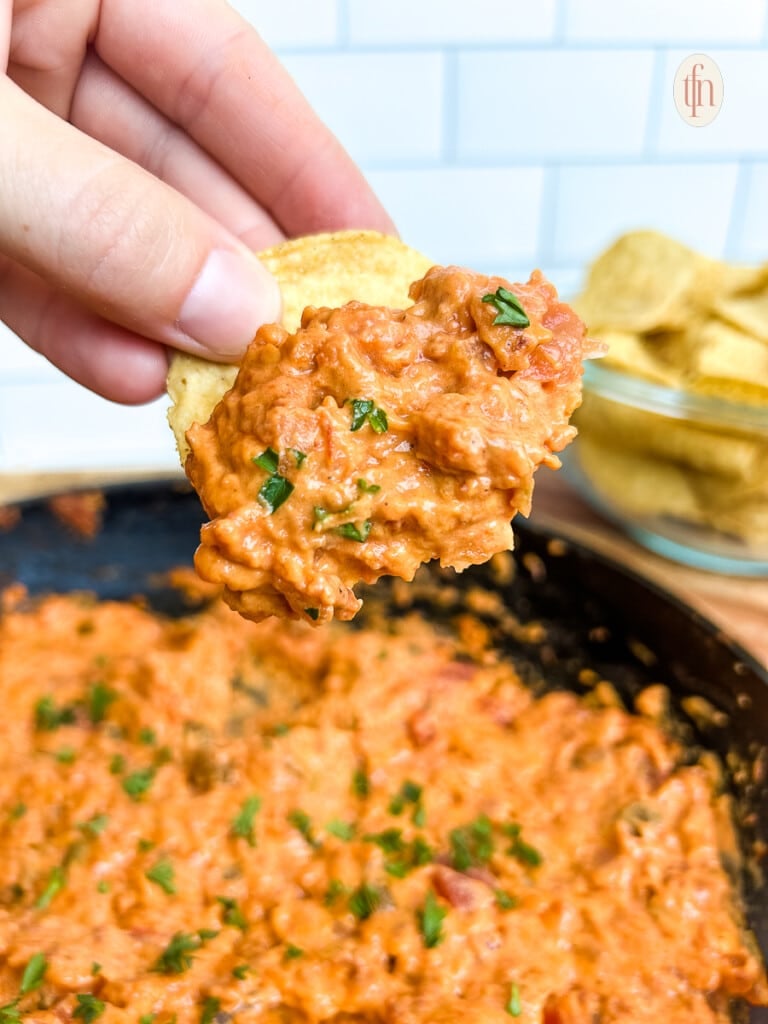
(232, 296)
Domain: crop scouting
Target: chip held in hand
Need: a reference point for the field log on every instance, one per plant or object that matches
(376, 437)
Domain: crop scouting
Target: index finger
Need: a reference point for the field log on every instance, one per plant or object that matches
(208, 70)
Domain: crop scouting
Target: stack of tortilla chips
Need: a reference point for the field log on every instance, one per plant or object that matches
(692, 326)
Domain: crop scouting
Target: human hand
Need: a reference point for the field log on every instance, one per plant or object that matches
(146, 148)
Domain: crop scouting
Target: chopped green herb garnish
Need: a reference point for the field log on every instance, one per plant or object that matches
(102, 886)
(274, 491)
(430, 919)
(281, 729)
(364, 410)
(505, 900)
(319, 514)
(147, 736)
(361, 784)
(514, 1007)
(390, 840)
(145, 845)
(242, 824)
(88, 1007)
(99, 699)
(56, 882)
(207, 933)
(232, 915)
(18, 810)
(34, 973)
(299, 456)
(343, 830)
(301, 822)
(419, 816)
(397, 868)
(351, 531)
(95, 967)
(471, 845)
(269, 460)
(211, 1007)
(519, 849)
(365, 900)
(293, 952)
(162, 874)
(66, 755)
(313, 613)
(147, 1018)
(364, 487)
(412, 855)
(10, 1013)
(177, 955)
(335, 890)
(361, 410)
(49, 717)
(241, 971)
(95, 825)
(163, 755)
(117, 765)
(510, 312)
(409, 793)
(378, 421)
(138, 783)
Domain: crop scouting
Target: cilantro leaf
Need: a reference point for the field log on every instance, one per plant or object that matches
(510, 312)
(242, 823)
(302, 823)
(430, 918)
(88, 1007)
(341, 829)
(177, 955)
(351, 531)
(365, 900)
(99, 699)
(514, 1007)
(138, 783)
(95, 825)
(232, 915)
(211, 1007)
(519, 849)
(269, 460)
(49, 716)
(364, 410)
(274, 491)
(34, 973)
(162, 874)
(56, 882)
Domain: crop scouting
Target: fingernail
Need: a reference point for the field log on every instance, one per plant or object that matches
(231, 298)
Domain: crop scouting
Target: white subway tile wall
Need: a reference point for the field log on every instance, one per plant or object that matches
(505, 134)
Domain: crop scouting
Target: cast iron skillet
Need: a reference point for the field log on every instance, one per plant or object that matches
(594, 613)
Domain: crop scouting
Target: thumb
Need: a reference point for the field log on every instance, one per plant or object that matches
(121, 242)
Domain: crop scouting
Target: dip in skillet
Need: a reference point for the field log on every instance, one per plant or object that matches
(212, 820)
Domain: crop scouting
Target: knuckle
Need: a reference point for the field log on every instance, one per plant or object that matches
(120, 231)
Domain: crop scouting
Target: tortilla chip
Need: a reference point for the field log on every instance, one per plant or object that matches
(316, 270)
(631, 353)
(729, 364)
(749, 312)
(727, 454)
(644, 281)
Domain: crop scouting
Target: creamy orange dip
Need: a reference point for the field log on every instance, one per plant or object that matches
(211, 820)
(373, 440)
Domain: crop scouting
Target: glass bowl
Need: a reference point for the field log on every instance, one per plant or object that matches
(684, 474)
